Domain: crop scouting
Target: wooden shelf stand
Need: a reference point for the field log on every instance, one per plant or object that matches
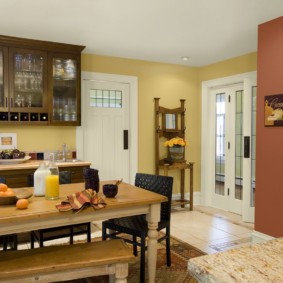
(175, 127)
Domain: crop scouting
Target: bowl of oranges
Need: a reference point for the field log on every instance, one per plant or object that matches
(11, 196)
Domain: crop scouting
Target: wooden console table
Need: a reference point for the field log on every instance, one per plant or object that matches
(182, 166)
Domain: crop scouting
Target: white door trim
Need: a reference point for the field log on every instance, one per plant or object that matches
(133, 133)
(207, 161)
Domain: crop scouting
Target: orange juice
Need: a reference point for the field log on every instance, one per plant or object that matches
(52, 187)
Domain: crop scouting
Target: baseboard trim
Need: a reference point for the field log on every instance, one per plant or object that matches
(258, 237)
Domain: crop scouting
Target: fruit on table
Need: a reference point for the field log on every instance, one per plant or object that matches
(12, 154)
(22, 203)
(3, 187)
(5, 191)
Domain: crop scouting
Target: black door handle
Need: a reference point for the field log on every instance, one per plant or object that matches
(126, 139)
(246, 147)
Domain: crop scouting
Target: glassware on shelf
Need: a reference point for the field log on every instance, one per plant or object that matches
(66, 116)
(58, 70)
(29, 101)
(18, 100)
(70, 70)
(18, 62)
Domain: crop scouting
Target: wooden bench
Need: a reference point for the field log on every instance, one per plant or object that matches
(67, 262)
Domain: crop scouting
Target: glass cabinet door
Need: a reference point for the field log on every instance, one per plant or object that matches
(3, 82)
(65, 89)
(28, 80)
(2, 97)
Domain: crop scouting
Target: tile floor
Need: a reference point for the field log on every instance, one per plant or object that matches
(211, 230)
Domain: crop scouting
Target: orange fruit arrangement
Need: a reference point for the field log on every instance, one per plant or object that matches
(8, 192)
(5, 191)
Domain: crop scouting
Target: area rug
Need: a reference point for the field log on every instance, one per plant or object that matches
(177, 273)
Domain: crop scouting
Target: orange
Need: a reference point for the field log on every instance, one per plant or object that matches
(10, 192)
(3, 187)
(22, 203)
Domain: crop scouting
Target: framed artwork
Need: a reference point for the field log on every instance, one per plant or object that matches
(273, 110)
(8, 141)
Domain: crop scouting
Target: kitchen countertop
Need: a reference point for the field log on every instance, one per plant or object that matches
(260, 263)
(33, 164)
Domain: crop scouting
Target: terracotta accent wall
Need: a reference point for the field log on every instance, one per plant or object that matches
(269, 146)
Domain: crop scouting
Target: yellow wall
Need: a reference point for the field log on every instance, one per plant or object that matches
(42, 138)
(167, 81)
(230, 67)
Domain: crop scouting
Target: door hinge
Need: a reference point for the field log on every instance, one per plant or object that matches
(229, 98)
(228, 145)
(228, 192)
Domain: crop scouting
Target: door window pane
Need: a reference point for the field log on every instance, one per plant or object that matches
(239, 145)
(105, 98)
(220, 144)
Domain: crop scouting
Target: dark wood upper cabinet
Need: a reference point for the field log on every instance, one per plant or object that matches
(40, 82)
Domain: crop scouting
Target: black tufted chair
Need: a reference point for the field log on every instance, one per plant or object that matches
(65, 177)
(136, 226)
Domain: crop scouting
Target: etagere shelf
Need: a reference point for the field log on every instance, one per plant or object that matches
(170, 123)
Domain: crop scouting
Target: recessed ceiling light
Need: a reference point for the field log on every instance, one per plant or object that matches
(185, 58)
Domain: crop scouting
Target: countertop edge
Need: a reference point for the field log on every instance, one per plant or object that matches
(33, 164)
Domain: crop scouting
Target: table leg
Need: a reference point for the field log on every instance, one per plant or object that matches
(152, 218)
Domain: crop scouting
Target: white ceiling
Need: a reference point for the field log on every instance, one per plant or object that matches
(207, 31)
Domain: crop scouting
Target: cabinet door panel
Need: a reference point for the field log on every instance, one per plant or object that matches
(4, 99)
(65, 89)
(28, 80)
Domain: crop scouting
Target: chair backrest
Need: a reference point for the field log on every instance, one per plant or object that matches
(65, 177)
(159, 184)
(3, 180)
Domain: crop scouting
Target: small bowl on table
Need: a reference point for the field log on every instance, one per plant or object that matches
(110, 190)
(19, 193)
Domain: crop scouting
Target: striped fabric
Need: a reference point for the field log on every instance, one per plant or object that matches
(80, 200)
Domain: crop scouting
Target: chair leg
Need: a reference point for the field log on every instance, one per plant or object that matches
(15, 242)
(142, 264)
(10, 240)
(168, 248)
(5, 243)
(89, 232)
(40, 239)
(135, 246)
(71, 235)
(32, 240)
(104, 236)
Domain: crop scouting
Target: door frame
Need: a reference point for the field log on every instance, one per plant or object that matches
(133, 109)
(207, 143)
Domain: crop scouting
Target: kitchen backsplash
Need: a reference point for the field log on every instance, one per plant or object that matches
(44, 155)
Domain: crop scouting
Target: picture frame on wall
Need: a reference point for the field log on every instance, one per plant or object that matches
(8, 141)
(273, 110)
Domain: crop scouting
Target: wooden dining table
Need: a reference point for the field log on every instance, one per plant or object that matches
(43, 213)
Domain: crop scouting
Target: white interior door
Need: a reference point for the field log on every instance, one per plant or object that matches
(228, 164)
(109, 108)
(228, 173)
(106, 128)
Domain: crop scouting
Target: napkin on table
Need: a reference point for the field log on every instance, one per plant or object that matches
(80, 200)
